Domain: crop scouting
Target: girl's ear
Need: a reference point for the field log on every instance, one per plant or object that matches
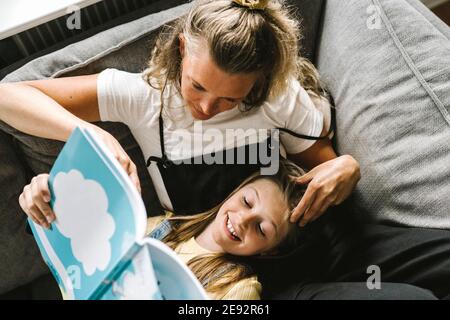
(182, 44)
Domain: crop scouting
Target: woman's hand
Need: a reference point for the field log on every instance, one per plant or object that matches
(329, 184)
(34, 201)
(120, 154)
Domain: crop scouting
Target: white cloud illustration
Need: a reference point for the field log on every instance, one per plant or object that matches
(81, 209)
(133, 288)
(140, 284)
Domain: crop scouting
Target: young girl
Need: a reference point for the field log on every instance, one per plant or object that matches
(226, 65)
(252, 221)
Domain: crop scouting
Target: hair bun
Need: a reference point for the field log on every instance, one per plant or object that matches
(253, 4)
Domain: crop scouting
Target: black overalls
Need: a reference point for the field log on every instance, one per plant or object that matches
(194, 186)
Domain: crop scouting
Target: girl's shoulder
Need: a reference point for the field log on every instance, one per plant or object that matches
(153, 222)
(246, 289)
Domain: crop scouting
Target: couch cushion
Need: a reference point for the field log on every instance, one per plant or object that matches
(389, 74)
(20, 261)
(309, 12)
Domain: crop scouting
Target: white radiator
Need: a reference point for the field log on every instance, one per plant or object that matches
(52, 32)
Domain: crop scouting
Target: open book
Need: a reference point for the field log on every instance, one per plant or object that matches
(97, 248)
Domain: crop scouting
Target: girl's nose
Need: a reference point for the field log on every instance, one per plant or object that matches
(246, 219)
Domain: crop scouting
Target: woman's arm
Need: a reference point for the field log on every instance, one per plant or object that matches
(330, 180)
(320, 152)
(53, 108)
(50, 108)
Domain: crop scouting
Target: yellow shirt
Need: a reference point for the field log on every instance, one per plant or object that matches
(246, 289)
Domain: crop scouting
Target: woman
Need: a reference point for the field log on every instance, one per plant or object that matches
(252, 221)
(226, 65)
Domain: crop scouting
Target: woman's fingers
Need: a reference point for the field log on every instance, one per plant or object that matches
(23, 206)
(328, 184)
(306, 178)
(31, 209)
(130, 169)
(323, 209)
(321, 202)
(42, 197)
(125, 161)
(134, 176)
(312, 211)
(304, 204)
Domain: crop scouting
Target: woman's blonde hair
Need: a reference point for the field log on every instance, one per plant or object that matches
(240, 40)
(216, 271)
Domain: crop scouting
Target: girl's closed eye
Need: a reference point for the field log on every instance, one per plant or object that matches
(246, 202)
(260, 229)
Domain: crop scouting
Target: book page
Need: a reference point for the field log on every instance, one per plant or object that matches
(97, 217)
(176, 281)
(136, 281)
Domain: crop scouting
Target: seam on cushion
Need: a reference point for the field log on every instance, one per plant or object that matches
(411, 64)
(117, 47)
(439, 74)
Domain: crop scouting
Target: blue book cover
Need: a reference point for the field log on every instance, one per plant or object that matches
(96, 248)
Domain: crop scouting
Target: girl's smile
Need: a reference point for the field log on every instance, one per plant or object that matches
(230, 230)
(254, 220)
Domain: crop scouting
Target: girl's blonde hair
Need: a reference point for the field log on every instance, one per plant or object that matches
(240, 40)
(217, 271)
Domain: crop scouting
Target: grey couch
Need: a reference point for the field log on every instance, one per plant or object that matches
(386, 63)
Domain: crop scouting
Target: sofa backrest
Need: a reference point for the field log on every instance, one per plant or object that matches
(387, 65)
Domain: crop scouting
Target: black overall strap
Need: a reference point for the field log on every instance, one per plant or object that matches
(163, 160)
(167, 163)
(302, 136)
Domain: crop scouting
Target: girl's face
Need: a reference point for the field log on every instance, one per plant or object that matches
(206, 89)
(253, 221)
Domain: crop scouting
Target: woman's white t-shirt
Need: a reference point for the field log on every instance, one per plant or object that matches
(125, 97)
